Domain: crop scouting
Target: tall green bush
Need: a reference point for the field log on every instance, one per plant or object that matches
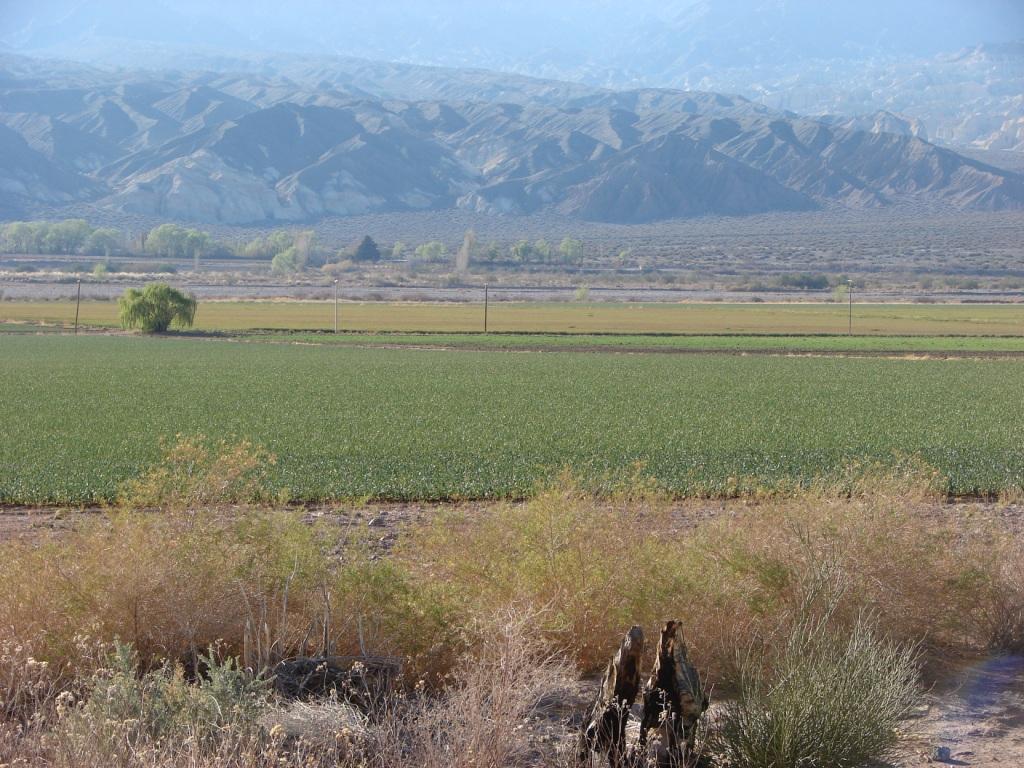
(156, 307)
(828, 697)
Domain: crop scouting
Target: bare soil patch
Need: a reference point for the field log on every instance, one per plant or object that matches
(388, 519)
(976, 713)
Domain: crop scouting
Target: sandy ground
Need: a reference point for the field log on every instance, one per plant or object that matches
(977, 713)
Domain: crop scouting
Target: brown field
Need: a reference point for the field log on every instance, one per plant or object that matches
(695, 318)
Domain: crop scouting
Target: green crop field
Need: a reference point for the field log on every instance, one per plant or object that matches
(80, 415)
(536, 317)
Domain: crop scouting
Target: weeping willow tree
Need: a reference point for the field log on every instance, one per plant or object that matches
(155, 308)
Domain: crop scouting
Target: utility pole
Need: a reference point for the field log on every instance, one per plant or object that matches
(78, 305)
(850, 291)
(486, 305)
(335, 306)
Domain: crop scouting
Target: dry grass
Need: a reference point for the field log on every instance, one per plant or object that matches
(595, 566)
(478, 719)
(262, 584)
(600, 565)
(169, 583)
(195, 474)
(617, 317)
(157, 720)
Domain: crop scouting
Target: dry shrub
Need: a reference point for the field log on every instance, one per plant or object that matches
(601, 564)
(44, 746)
(123, 713)
(380, 607)
(478, 719)
(172, 576)
(169, 584)
(160, 719)
(28, 686)
(328, 728)
(592, 566)
(195, 474)
(267, 585)
(157, 720)
(903, 479)
(991, 590)
(924, 579)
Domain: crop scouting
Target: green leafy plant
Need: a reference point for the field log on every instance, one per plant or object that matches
(123, 711)
(828, 696)
(156, 307)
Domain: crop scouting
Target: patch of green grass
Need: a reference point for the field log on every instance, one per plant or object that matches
(81, 415)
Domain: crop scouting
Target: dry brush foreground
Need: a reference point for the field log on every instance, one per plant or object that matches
(188, 573)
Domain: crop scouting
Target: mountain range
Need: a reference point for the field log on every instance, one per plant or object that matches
(955, 66)
(302, 138)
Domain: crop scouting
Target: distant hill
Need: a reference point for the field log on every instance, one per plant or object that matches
(312, 138)
(955, 66)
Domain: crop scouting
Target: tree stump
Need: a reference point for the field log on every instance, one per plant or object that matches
(605, 731)
(674, 700)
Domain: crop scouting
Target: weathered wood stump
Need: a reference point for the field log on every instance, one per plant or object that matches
(605, 731)
(674, 700)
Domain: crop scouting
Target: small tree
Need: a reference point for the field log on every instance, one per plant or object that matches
(432, 251)
(287, 262)
(196, 243)
(542, 249)
(156, 307)
(367, 250)
(465, 253)
(166, 240)
(523, 252)
(302, 242)
(103, 242)
(571, 250)
(66, 236)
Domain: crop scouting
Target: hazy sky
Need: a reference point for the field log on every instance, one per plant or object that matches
(525, 34)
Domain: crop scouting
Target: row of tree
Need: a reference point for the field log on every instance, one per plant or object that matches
(569, 251)
(77, 236)
(169, 241)
(288, 251)
(73, 236)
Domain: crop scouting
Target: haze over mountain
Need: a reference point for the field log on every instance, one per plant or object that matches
(343, 137)
(526, 34)
(221, 113)
(956, 66)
